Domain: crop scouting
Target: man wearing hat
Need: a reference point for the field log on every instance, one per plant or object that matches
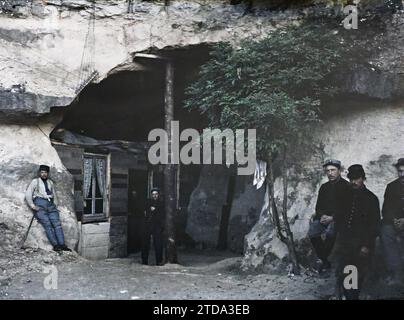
(153, 226)
(41, 197)
(357, 226)
(392, 232)
(322, 231)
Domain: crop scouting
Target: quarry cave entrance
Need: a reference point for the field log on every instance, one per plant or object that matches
(102, 141)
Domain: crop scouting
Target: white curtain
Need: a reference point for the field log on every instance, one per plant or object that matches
(88, 173)
(100, 171)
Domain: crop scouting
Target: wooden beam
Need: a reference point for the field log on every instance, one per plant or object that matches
(169, 170)
(150, 56)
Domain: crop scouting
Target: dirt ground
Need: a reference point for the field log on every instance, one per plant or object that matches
(201, 275)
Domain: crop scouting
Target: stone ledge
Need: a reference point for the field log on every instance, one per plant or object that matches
(91, 228)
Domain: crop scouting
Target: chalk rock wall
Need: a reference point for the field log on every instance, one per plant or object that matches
(245, 211)
(208, 202)
(41, 45)
(206, 205)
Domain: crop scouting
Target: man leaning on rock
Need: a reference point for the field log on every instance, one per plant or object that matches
(41, 197)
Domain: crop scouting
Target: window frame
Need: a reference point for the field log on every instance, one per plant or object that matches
(97, 217)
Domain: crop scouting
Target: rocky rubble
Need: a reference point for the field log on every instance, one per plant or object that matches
(23, 262)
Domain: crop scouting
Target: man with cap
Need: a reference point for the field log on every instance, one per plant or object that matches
(41, 197)
(321, 230)
(357, 226)
(392, 231)
(153, 226)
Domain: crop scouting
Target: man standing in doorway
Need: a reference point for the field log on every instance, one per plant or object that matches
(322, 230)
(41, 197)
(392, 232)
(154, 219)
(357, 226)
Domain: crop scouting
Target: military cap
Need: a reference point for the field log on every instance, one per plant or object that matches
(332, 162)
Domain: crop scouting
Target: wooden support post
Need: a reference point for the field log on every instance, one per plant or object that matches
(169, 170)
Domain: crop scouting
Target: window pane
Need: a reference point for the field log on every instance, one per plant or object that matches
(99, 206)
(87, 208)
(97, 191)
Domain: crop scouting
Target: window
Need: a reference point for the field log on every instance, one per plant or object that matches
(94, 187)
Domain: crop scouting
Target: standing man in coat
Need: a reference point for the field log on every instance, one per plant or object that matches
(322, 227)
(392, 231)
(357, 226)
(153, 226)
(41, 197)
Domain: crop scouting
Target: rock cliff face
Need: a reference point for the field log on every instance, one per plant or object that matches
(218, 190)
(41, 49)
(42, 45)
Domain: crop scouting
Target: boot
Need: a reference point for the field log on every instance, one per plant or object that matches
(65, 248)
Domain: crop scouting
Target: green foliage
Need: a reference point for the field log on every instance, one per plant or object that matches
(274, 85)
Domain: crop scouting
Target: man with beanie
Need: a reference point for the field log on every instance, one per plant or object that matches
(322, 228)
(41, 197)
(357, 226)
(392, 231)
(153, 226)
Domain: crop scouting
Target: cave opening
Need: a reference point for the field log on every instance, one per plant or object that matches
(102, 141)
(128, 104)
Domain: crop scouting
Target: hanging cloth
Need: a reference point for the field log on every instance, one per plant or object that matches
(100, 173)
(88, 173)
(260, 174)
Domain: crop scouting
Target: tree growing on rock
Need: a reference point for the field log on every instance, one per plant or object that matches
(274, 85)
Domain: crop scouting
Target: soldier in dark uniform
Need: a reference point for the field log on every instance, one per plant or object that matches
(392, 231)
(357, 226)
(322, 231)
(153, 226)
